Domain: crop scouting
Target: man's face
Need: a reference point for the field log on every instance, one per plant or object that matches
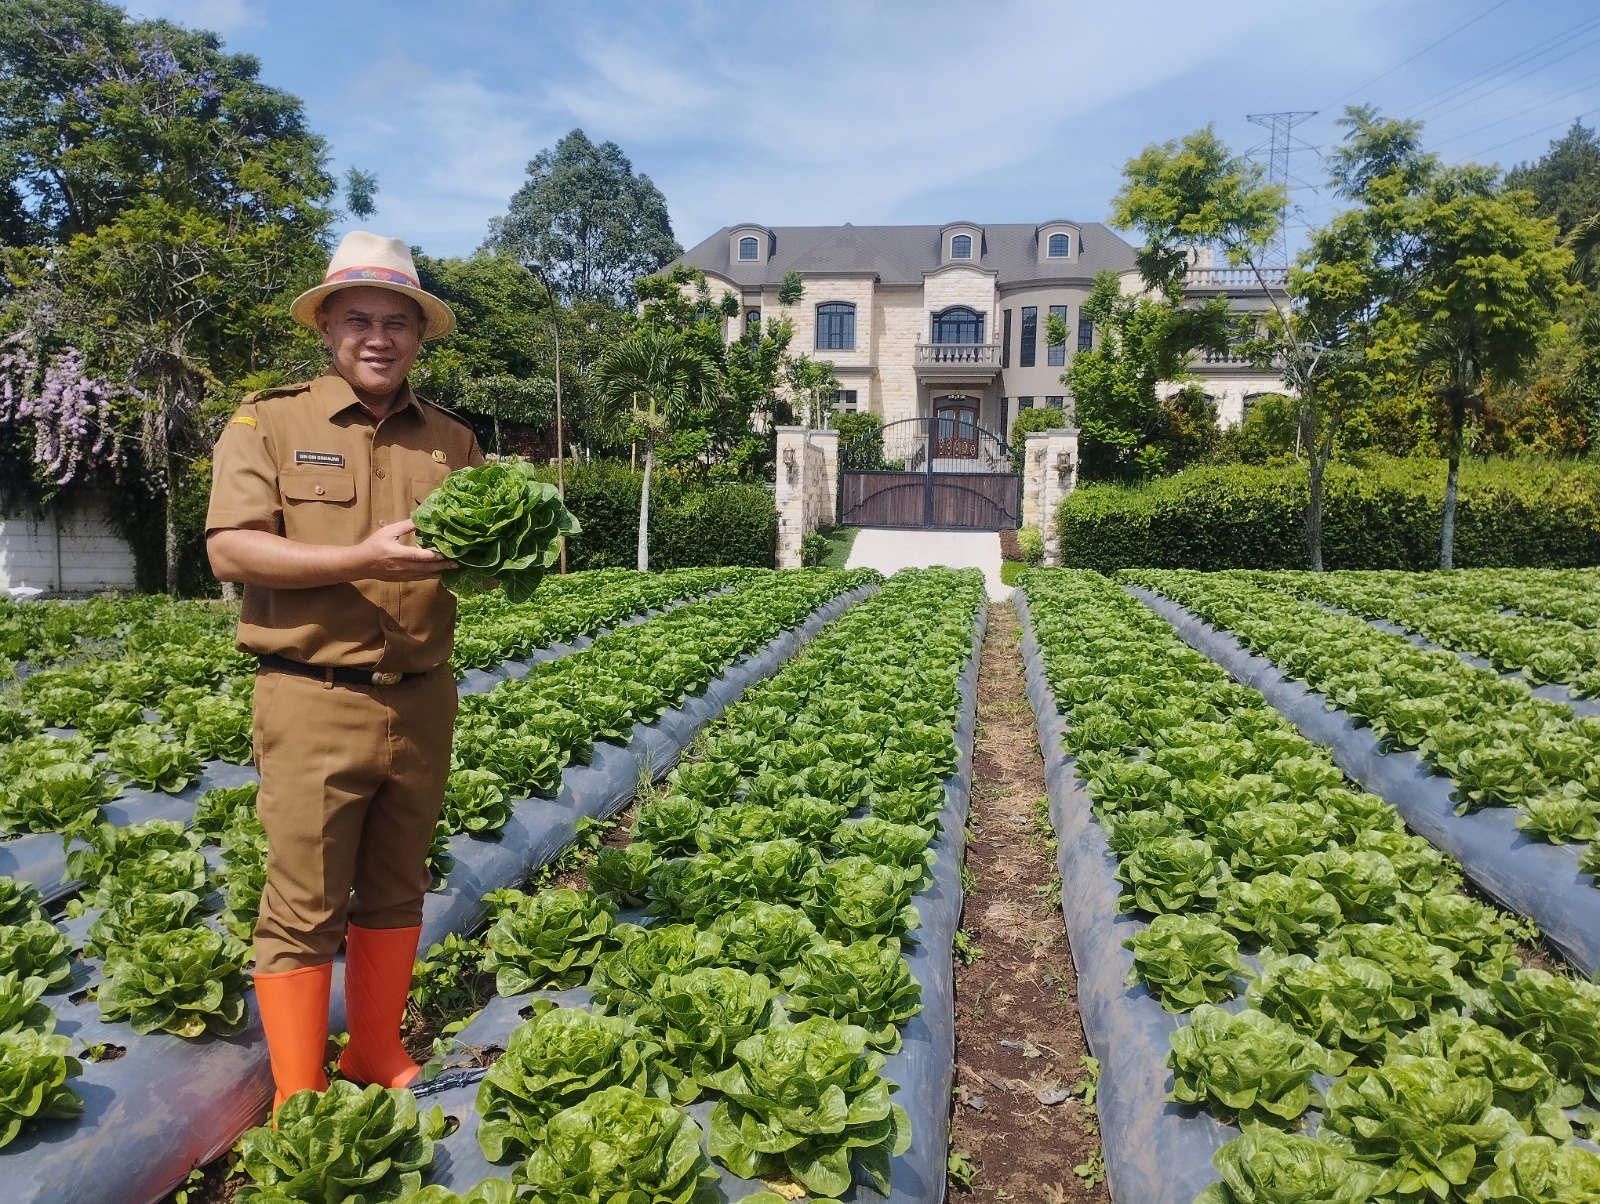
(373, 335)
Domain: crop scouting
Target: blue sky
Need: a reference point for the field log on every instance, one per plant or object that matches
(885, 111)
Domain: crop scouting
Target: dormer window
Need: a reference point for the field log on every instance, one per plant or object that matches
(1060, 246)
(749, 248)
(961, 246)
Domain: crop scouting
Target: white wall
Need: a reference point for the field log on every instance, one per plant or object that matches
(71, 549)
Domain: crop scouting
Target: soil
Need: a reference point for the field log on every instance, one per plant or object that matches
(1019, 1040)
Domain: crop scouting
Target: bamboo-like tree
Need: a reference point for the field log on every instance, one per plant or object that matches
(654, 376)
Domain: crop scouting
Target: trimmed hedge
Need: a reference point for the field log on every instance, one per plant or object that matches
(691, 525)
(1382, 514)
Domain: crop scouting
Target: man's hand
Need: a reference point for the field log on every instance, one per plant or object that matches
(385, 558)
(260, 557)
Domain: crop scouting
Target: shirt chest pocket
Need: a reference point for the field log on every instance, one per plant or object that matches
(423, 485)
(319, 505)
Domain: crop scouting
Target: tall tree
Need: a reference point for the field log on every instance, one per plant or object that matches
(1565, 180)
(1490, 282)
(586, 217)
(656, 376)
(168, 199)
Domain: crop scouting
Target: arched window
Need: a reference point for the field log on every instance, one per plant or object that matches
(836, 326)
(752, 321)
(958, 324)
(961, 246)
(1060, 246)
(749, 248)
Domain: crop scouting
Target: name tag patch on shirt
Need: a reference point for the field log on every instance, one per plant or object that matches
(328, 459)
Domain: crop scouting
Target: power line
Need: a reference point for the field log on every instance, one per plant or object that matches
(1586, 86)
(1531, 134)
(1459, 28)
(1554, 42)
(1578, 49)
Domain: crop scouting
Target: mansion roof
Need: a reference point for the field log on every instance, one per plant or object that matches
(902, 255)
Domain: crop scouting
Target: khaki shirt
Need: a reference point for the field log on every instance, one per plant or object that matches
(309, 462)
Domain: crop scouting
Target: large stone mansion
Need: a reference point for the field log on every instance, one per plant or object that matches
(919, 320)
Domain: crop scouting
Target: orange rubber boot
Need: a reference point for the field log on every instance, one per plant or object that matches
(377, 977)
(294, 1015)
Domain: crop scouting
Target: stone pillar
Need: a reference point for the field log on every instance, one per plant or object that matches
(1058, 476)
(790, 494)
(1033, 452)
(828, 441)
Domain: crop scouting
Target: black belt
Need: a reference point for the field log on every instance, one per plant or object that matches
(341, 674)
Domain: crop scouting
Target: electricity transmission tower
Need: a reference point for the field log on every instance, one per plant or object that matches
(1280, 144)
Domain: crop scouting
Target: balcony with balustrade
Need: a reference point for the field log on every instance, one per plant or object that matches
(958, 362)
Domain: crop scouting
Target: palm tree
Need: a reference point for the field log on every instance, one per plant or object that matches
(654, 376)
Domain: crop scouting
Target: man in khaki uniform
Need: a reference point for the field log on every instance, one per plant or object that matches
(313, 487)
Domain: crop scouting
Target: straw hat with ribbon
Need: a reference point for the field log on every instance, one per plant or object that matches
(372, 261)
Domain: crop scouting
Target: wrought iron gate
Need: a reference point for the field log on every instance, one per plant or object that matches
(944, 471)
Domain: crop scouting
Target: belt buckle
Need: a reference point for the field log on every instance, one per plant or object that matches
(387, 677)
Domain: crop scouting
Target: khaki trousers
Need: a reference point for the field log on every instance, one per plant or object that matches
(352, 780)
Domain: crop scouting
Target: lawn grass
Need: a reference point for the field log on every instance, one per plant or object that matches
(840, 541)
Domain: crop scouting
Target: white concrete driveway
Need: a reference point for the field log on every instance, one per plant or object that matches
(887, 551)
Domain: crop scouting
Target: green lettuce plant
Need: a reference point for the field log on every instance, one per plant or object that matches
(1285, 912)
(20, 1007)
(1524, 1084)
(340, 1146)
(1339, 1002)
(1419, 971)
(64, 797)
(1558, 1016)
(764, 937)
(1537, 1170)
(475, 800)
(856, 897)
(186, 981)
(669, 824)
(551, 940)
(1184, 961)
(498, 522)
(1170, 874)
(1427, 1129)
(19, 902)
(619, 1147)
(624, 874)
(865, 983)
(219, 809)
(144, 756)
(551, 1063)
(807, 1100)
(1266, 1166)
(34, 1069)
(777, 871)
(904, 846)
(131, 916)
(36, 949)
(700, 1016)
(624, 979)
(1249, 1065)
(693, 889)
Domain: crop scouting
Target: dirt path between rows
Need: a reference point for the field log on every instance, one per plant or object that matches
(1021, 1126)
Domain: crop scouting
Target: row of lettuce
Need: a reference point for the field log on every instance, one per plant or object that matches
(175, 693)
(1497, 742)
(1521, 622)
(154, 934)
(1307, 937)
(743, 947)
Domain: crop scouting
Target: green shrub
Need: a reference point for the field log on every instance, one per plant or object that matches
(691, 525)
(1031, 544)
(1047, 418)
(1381, 514)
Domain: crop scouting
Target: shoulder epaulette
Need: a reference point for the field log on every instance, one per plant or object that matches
(445, 410)
(276, 391)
